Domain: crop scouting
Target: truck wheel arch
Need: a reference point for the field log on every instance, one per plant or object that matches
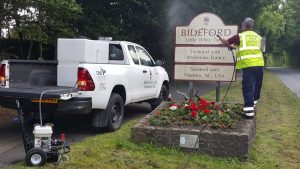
(166, 83)
(101, 118)
(120, 89)
(163, 96)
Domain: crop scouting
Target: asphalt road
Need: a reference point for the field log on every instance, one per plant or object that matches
(290, 77)
(76, 128)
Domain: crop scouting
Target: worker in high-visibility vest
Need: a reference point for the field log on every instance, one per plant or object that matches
(250, 59)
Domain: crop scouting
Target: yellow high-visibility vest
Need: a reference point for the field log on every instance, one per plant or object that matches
(249, 53)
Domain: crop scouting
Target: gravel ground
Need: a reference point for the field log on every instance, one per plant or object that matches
(6, 115)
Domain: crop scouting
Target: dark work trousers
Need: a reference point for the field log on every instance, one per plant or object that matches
(252, 83)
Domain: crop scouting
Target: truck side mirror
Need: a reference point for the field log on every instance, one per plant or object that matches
(159, 63)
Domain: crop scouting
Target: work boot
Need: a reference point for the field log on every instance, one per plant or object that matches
(248, 112)
(255, 103)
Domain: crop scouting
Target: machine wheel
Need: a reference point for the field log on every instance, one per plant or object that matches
(163, 96)
(115, 112)
(35, 157)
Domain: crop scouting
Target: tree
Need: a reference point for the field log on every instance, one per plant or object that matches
(42, 20)
(278, 22)
(291, 10)
(149, 23)
(139, 21)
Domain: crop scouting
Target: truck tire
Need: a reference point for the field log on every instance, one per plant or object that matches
(163, 96)
(35, 157)
(115, 112)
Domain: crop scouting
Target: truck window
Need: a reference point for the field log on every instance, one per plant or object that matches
(144, 57)
(115, 52)
(133, 54)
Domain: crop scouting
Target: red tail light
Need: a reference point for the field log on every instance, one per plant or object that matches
(85, 81)
(2, 75)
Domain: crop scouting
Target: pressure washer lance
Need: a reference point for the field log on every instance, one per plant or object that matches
(45, 146)
(234, 66)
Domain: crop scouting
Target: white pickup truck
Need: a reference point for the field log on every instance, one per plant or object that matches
(90, 76)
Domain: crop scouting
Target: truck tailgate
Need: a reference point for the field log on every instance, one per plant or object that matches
(35, 92)
(30, 97)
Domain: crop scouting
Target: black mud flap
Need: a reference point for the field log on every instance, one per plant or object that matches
(100, 118)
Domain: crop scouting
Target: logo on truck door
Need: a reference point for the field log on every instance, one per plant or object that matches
(101, 77)
(101, 72)
(148, 84)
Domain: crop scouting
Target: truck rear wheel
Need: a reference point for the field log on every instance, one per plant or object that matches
(115, 112)
(163, 96)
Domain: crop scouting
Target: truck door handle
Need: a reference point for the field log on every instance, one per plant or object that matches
(144, 71)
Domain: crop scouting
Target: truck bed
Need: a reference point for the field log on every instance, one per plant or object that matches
(28, 79)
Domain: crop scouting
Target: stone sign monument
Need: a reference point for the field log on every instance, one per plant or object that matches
(199, 56)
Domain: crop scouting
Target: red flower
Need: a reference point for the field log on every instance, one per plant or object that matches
(174, 107)
(194, 113)
(200, 108)
(157, 113)
(193, 107)
(186, 106)
(203, 102)
(217, 106)
(207, 111)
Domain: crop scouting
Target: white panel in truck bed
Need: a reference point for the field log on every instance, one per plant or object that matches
(70, 52)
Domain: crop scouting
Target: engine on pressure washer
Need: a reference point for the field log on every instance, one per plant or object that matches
(42, 137)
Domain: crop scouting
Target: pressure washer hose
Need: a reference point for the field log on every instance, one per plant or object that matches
(56, 90)
(234, 66)
(234, 61)
(40, 102)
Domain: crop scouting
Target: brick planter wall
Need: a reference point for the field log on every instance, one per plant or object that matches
(226, 143)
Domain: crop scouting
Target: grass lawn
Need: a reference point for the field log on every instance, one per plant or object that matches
(277, 143)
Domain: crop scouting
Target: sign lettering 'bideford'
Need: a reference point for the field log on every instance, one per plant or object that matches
(203, 30)
(199, 54)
